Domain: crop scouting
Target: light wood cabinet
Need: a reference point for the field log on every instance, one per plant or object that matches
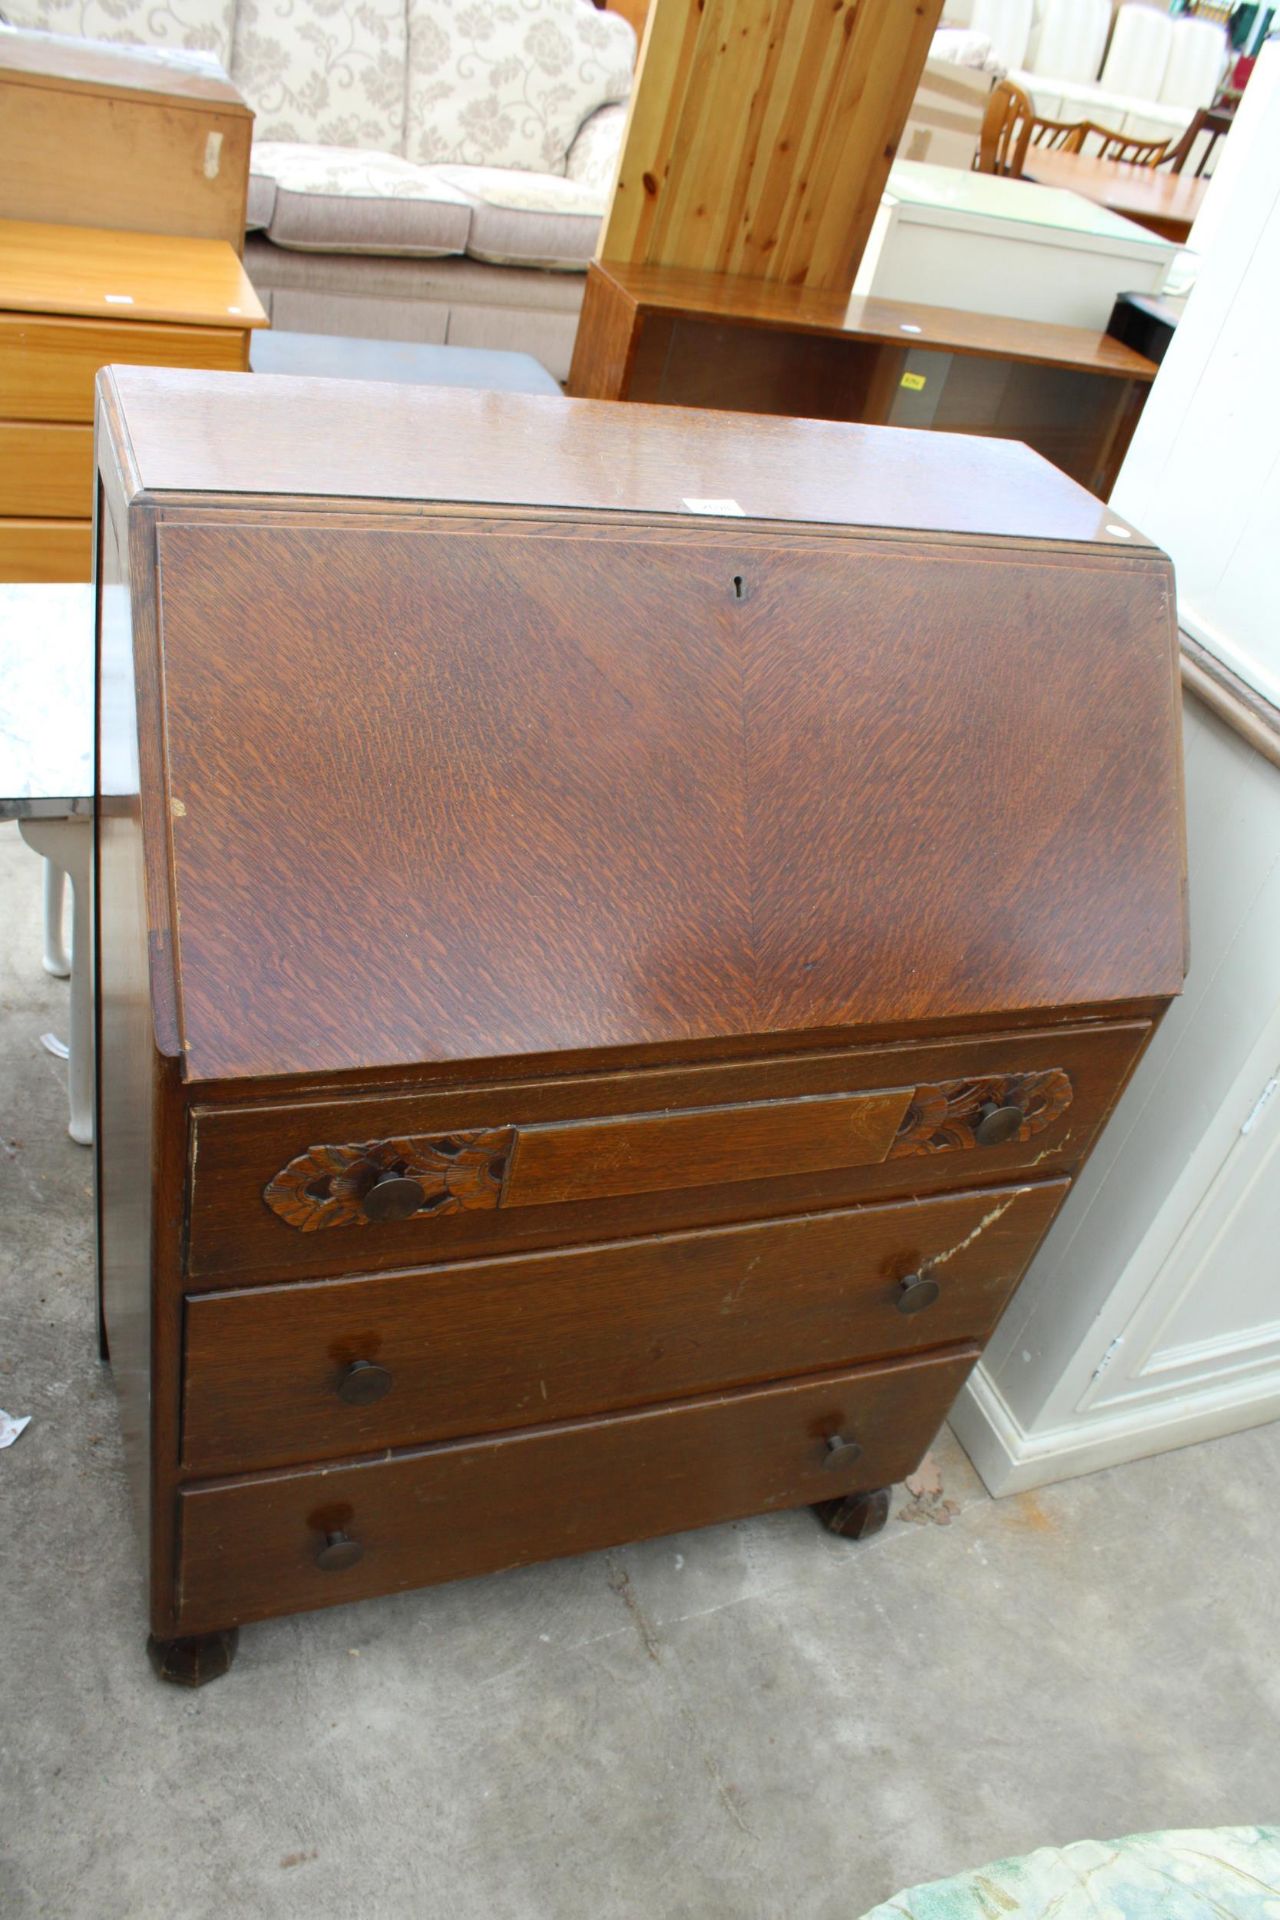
(72, 300)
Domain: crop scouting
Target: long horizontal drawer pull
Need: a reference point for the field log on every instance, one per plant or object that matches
(421, 1175)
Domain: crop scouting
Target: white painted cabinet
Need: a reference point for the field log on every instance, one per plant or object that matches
(1151, 1316)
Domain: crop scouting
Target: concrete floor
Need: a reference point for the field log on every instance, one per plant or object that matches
(757, 1722)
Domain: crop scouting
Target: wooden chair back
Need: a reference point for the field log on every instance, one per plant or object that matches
(1213, 121)
(1122, 146)
(1006, 130)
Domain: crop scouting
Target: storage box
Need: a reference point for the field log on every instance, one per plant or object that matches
(98, 135)
(990, 245)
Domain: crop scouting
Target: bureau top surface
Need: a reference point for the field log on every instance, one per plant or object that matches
(438, 786)
(194, 432)
(99, 273)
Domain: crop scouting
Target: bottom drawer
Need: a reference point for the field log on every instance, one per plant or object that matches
(255, 1547)
(46, 550)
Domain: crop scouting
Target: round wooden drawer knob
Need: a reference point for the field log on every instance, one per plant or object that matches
(996, 1124)
(363, 1382)
(338, 1553)
(841, 1454)
(916, 1292)
(394, 1197)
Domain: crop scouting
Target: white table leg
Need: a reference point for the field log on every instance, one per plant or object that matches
(68, 844)
(55, 952)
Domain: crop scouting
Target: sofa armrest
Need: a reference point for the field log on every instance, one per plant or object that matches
(592, 159)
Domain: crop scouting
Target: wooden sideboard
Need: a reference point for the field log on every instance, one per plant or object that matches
(73, 299)
(693, 339)
(617, 929)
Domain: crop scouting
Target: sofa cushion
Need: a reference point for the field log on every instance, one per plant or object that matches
(593, 157)
(261, 203)
(523, 219)
(203, 26)
(319, 70)
(504, 84)
(334, 200)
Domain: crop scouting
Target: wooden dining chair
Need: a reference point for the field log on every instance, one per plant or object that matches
(1006, 129)
(1011, 125)
(1216, 122)
(1122, 146)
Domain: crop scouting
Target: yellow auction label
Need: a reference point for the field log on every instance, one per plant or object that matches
(913, 381)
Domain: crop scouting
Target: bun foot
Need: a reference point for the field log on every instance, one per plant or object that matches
(192, 1662)
(857, 1516)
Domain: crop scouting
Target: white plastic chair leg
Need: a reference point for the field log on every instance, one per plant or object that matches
(68, 844)
(56, 959)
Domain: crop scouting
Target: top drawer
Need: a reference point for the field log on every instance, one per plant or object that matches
(376, 1181)
(48, 364)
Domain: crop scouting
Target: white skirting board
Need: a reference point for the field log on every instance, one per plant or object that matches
(1013, 1461)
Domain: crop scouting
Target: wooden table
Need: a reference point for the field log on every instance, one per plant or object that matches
(1163, 202)
(712, 340)
(73, 299)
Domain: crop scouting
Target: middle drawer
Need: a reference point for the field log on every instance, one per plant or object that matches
(325, 1369)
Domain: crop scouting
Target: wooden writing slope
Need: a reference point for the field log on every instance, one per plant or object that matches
(710, 340)
(617, 930)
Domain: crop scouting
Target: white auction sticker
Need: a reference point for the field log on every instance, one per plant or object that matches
(716, 506)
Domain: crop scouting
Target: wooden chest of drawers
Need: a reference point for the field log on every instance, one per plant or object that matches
(73, 299)
(617, 930)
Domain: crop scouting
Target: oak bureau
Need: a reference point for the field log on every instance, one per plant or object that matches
(616, 929)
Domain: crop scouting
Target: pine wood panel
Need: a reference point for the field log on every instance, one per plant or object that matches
(50, 550)
(46, 469)
(248, 1548)
(492, 1345)
(761, 134)
(108, 136)
(48, 364)
(95, 271)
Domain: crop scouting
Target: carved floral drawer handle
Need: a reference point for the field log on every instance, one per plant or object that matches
(990, 1111)
(422, 1175)
(338, 1186)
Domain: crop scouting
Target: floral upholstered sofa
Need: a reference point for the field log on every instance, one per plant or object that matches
(422, 169)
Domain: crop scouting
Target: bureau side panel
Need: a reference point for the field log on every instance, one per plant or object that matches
(140, 1124)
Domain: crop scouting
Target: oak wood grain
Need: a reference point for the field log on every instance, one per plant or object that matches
(493, 1345)
(476, 783)
(236, 1150)
(248, 1547)
(359, 442)
(586, 903)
